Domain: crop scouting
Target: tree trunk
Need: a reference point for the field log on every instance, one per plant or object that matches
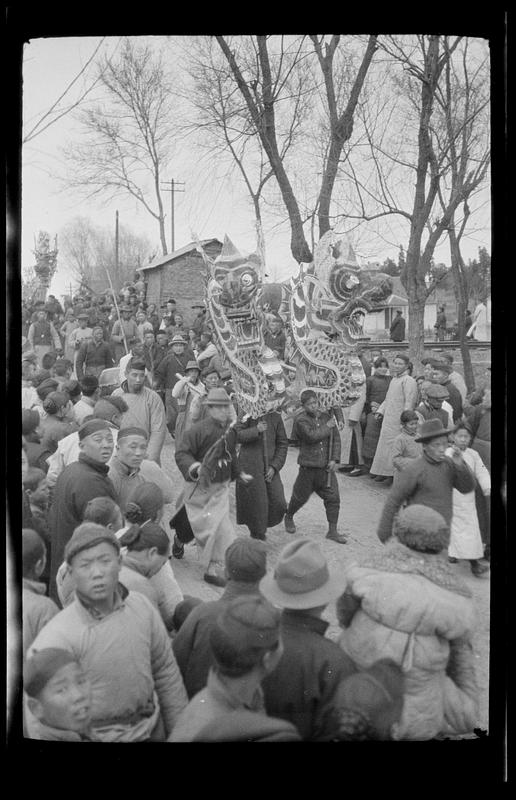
(461, 293)
(416, 332)
(162, 235)
(260, 239)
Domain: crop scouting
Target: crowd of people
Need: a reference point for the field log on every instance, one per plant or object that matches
(113, 649)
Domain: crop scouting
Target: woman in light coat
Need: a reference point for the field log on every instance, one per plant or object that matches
(401, 396)
(405, 603)
(466, 541)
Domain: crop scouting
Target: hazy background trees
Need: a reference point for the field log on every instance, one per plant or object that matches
(87, 249)
(127, 137)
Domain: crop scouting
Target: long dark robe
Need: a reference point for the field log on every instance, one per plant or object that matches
(261, 505)
(376, 390)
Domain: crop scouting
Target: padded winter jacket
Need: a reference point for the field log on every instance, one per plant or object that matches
(409, 606)
(313, 435)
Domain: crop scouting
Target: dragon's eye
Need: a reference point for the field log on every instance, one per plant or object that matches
(247, 279)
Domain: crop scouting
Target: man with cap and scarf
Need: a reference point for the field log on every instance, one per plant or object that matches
(319, 454)
(428, 480)
(110, 409)
(76, 486)
(312, 666)
(245, 565)
(169, 370)
(145, 409)
(441, 375)
(121, 642)
(129, 466)
(206, 456)
(94, 355)
(187, 387)
(246, 645)
(432, 405)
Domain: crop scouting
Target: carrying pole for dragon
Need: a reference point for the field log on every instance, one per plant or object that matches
(117, 309)
(330, 450)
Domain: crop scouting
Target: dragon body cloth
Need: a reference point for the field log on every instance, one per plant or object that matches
(322, 307)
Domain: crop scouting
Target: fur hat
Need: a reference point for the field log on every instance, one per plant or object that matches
(367, 704)
(88, 535)
(246, 560)
(431, 429)
(421, 528)
(41, 666)
(301, 578)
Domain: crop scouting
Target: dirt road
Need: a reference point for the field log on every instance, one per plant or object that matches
(361, 504)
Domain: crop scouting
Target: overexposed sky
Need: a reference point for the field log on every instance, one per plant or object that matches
(212, 205)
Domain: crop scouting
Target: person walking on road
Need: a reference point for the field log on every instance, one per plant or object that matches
(319, 456)
(429, 480)
(206, 456)
(263, 451)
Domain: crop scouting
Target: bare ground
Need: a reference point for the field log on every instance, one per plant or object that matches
(361, 504)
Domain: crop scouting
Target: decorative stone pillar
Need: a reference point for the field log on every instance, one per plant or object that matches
(46, 264)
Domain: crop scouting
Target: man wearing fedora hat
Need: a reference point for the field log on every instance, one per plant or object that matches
(168, 372)
(319, 455)
(430, 479)
(206, 456)
(312, 666)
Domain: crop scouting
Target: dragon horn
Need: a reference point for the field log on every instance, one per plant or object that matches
(230, 254)
(200, 249)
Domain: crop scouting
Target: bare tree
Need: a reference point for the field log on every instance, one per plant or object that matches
(415, 149)
(129, 138)
(464, 103)
(264, 85)
(86, 249)
(62, 106)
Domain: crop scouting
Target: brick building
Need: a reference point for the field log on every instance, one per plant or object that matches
(180, 275)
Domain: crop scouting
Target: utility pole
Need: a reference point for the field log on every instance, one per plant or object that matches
(173, 188)
(116, 244)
